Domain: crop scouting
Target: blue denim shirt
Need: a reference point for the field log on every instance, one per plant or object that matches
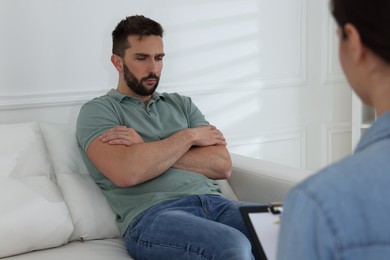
(343, 212)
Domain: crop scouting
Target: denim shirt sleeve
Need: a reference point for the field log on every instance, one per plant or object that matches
(305, 232)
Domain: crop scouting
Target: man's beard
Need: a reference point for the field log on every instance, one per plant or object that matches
(136, 85)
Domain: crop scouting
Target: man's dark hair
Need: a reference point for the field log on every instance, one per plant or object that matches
(133, 25)
(370, 17)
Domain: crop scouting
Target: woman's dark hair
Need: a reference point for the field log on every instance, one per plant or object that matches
(133, 25)
(370, 17)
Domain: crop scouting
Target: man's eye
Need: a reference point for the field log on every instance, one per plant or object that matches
(159, 58)
(141, 58)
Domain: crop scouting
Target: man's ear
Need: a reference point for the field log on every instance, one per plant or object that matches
(355, 45)
(117, 62)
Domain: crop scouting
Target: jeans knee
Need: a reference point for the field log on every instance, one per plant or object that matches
(236, 247)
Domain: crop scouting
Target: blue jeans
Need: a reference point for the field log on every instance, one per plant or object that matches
(193, 227)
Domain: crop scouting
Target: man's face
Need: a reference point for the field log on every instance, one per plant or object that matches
(138, 85)
(143, 63)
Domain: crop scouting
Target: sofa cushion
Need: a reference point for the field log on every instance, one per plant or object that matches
(33, 215)
(22, 151)
(33, 212)
(61, 143)
(104, 249)
(92, 216)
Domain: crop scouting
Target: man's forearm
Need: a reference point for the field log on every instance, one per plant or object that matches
(129, 165)
(139, 162)
(212, 161)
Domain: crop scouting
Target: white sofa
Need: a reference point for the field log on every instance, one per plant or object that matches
(51, 209)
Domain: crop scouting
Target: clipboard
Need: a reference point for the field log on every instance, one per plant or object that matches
(263, 223)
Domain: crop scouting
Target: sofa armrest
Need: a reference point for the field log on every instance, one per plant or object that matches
(262, 181)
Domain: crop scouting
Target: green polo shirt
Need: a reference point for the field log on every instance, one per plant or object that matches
(164, 115)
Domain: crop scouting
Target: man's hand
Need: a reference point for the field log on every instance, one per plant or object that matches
(208, 155)
(208, 135)
(121, 135)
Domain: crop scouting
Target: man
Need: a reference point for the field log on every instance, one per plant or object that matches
(156, 158)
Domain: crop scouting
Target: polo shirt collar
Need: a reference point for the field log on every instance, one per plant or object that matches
(120, 97)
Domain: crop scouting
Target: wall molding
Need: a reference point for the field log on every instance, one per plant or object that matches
(332, 73)
(298, 134)
(329, 132)
(215, 88)
(43, 100)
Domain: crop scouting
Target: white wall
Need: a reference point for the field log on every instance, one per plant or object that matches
(265, 72)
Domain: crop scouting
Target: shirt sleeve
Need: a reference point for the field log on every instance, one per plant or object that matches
(94, 118)
(195, 116)
(305, 232)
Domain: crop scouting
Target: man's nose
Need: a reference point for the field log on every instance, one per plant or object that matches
(153, 66)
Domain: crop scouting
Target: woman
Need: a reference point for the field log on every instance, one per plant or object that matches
(343, 212)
